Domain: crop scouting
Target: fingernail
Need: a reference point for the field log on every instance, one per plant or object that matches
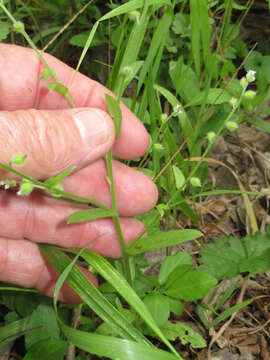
(93, 126)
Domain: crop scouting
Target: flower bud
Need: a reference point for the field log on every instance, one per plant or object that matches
(18, 159)
(25, 188)
(134, 16)
(158, 147)
(250, 94)
(195, 181)
(234, 102)
(211, 135)
(163, 118)
(126, 70)
(243, 83)
(18, 26)
(231, 125)
(177, 110)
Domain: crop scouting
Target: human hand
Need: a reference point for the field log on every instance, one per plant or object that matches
(39, 123)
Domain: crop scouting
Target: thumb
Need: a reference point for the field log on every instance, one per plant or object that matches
(54, 140)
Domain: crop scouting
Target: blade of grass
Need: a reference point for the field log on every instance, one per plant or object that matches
(114, 348)
(109, 273)
(92, 296)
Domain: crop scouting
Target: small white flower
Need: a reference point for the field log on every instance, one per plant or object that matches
(251, 76)
(177, 110)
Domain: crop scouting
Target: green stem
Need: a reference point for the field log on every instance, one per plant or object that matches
(39, 54)
(208, 148)
(40, 185)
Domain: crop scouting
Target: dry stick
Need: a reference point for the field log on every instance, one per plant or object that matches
(67, 25)
(227, 323)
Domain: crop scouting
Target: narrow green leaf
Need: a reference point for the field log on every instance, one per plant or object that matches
(195, 34)
(109, 273)
(54, 180)
(179, 177)
(161, 239)
(115, 112)
(14, 330)
(88, 215)
(131, 6)
(225, 314)
(92, 296)
(114, 348)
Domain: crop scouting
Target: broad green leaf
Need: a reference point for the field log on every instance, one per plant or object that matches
(88, 215)
(170, 263)
(115, 112)
(185, 334)
(261, 124)
(159, 307)
(49, 349)
(44, 319)
(176, 306)
(214, 96)
(179, 177)
(228, 256)
(92, 296)
(193, 285)
(4, 30)
(14, 330)
(115, 348)
(161, 240)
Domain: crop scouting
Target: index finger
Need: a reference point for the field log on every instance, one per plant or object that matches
(22, 88)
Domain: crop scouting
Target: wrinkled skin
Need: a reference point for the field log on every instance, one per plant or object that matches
(40, 124)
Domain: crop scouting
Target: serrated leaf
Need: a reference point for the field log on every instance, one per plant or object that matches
(193, 285)
(161, 239)
(115, 112)
(228, 256)
(88, 215)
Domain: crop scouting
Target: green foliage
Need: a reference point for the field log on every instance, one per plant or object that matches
(180, 59)
(229, 256)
